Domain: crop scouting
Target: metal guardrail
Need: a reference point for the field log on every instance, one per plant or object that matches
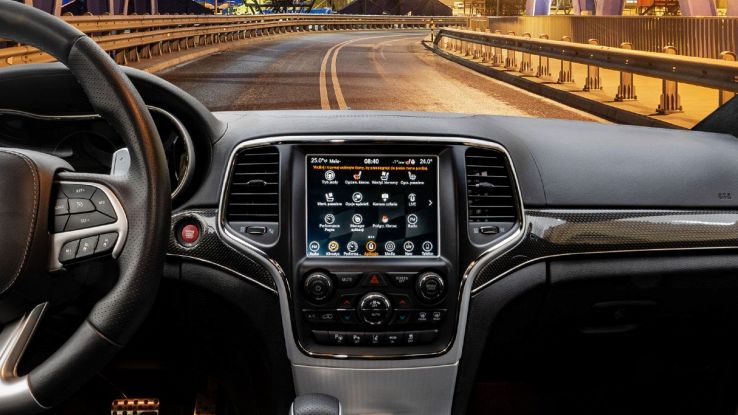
(704, 37)
(131, 38)
(711, 73)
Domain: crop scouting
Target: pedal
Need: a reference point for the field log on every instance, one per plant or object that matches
(135, 406)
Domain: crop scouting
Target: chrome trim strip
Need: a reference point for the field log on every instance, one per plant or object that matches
(15, 392)
(282, 281)
(189, 145)
(57, 240)
(51, 117)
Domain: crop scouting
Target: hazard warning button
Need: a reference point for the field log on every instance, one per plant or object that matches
(374, 279)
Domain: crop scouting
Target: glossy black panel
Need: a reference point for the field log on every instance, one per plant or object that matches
(552, 233)
(210, 248)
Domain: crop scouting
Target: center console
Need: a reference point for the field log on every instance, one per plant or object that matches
(375, 277)
(372, 237)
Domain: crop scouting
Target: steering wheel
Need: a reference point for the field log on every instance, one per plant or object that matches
(39, 232)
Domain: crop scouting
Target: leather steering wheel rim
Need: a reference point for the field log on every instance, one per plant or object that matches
(144, 195)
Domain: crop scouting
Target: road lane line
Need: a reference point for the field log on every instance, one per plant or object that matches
(334, 72)
(323, 81)
(325, 102)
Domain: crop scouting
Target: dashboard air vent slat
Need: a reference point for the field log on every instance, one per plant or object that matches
(253, 194)
(490, 196)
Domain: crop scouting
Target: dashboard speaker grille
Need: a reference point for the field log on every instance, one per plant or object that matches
(490, 194)
(253, 194)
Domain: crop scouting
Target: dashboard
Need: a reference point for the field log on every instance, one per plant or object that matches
(372, 235)
(375, 271)
(88, 143)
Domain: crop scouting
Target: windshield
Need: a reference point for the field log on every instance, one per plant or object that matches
(645, 62)
(353, 70)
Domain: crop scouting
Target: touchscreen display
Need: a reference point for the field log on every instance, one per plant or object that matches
(372, 206)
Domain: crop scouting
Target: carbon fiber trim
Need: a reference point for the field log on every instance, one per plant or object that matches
(212, 249)
(551, 233)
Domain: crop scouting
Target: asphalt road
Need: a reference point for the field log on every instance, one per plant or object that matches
(352, 70)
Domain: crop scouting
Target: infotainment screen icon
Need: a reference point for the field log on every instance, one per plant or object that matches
(371, 206)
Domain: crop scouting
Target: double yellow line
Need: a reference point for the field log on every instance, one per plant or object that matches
(325, 102)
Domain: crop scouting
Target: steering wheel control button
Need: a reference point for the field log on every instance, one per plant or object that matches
(87, 220)
(101, 202)
(189, 234)
(87, 246)
(106, 242)
(374, 308)
(78, 191)
(374, 279)
(60, 222)
(61, 207)
(318, 287)
(430, 287)
(68, 251)
(80, 206)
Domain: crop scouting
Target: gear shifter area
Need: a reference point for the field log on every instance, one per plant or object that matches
(315, 404)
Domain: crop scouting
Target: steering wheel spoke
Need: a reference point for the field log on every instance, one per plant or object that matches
(130, 214)
(15, 391)
(89, 220)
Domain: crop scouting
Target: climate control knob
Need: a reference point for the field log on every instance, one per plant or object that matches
(318, 287)
(375, 308)
(430, 287)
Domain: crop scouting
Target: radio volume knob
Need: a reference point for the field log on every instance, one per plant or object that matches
(374, 308)
(430, 287)
(318, 287)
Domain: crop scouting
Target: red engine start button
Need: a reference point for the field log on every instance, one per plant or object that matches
(189, 234)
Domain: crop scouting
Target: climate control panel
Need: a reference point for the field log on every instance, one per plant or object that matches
(373, 308)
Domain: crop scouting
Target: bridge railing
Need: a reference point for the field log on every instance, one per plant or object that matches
(131, 38)
(704, 37)
(497, 49)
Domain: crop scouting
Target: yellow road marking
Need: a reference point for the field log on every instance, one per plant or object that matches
(323, 81)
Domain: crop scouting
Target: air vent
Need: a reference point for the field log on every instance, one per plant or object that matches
(490, 194)
(253, 195)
